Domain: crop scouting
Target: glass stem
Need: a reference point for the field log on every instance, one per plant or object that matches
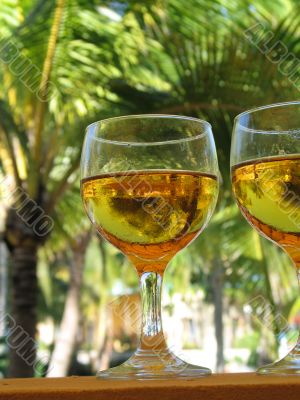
(152, 337)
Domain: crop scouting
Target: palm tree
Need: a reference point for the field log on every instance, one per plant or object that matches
(46, 100)
(153, 57)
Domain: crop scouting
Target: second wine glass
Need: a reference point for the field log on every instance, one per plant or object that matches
(265, 160)
(149, 185)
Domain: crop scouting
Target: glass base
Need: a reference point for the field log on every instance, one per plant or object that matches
(145, 365)
(289, 365)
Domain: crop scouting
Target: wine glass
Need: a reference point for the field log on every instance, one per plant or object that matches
(149, 185)
(265, 171)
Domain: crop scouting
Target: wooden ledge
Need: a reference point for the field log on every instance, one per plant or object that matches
(216, 387)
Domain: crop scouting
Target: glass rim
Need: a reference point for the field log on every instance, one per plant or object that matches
(262, 108)
(145, 116)
(266, 107)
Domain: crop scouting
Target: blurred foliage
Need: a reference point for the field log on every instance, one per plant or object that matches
(159, 56)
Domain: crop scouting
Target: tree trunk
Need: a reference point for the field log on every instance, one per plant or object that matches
(217, 288)
(107, 348)
(272, 309)
(66, 339)
(22, 322)
(103, 340)
(3, 286)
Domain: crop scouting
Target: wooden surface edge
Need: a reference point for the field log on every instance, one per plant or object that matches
(216, 387)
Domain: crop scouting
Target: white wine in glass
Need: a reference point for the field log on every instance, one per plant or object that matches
(265, 171)
(149, 185)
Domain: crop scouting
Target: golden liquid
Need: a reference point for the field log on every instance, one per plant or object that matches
(150, 215)
(268, 194)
